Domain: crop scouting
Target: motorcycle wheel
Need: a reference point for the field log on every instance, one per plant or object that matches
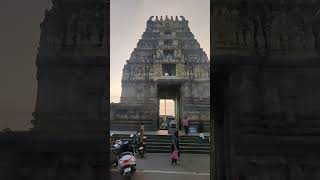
(141, 154)
(128, 175)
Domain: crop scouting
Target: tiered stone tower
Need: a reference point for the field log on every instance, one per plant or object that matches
(72, 67)
(167, 63)
(69, 136)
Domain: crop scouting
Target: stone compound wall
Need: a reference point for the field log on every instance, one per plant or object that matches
(130, 117)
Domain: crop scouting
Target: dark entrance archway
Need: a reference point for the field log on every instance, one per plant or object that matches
(171, 91)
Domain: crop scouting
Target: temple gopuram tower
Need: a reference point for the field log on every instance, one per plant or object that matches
(168, 63)
(72, 66)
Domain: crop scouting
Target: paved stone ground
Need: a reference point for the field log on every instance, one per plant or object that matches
(157, 166)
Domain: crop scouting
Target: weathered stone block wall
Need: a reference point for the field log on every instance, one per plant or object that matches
(196, 103)
(130, 116)
(139, 92)
(69, 93)
(265, 97)
(270, 118)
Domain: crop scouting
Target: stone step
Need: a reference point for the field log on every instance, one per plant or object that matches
(163, 137)
(182, 151)
(136, 123)
(168, 141)
(162, 144)
(129, 127)
(168, 146)
(181, 144)
(169, 137)
(181, 140)
(196, 151)
(181, 148)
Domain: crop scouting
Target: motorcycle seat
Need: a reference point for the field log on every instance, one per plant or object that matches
(126, 153)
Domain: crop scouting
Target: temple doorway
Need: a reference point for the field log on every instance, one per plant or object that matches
(169, 105)
(166, 113)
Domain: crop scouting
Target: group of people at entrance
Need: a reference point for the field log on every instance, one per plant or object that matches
(175, 144)
(184, 124)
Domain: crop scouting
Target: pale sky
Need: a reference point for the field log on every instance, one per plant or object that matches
(128, 22)
(20, 34)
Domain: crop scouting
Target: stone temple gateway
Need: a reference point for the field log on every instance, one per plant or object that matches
(168, 63)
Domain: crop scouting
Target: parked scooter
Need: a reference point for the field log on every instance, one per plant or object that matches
(127, 161)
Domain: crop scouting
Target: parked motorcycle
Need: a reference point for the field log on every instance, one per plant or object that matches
(203, 139)
(115, 144)
(139, 147)
(141, 150)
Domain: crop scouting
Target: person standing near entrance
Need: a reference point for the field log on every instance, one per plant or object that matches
(185, 125)
(142, 127)
(141, 139)
(175, 147)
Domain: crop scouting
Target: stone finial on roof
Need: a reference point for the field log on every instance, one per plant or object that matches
(157, 19)
(150, 19)
(176, 18)
(161, 19)
(167, 17)
(171, 18)
(182, 17)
